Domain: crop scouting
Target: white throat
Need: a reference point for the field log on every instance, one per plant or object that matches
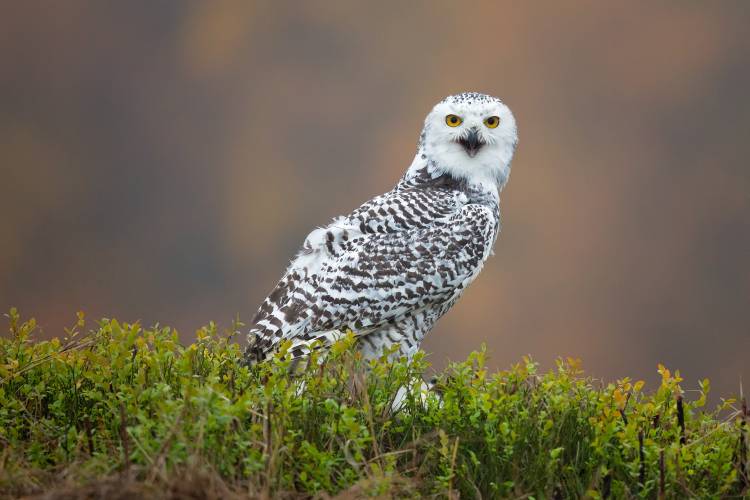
(471, 137)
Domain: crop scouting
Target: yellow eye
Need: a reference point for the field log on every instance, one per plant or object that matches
(453, 120)
(492, 121)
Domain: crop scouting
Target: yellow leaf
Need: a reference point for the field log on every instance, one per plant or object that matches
(574, 363)
(664, 372)
(619, 398)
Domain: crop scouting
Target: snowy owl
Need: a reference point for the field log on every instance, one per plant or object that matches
(391, 268)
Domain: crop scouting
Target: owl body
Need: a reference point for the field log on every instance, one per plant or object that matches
(391, 268)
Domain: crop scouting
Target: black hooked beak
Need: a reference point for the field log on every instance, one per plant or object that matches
(471, 143)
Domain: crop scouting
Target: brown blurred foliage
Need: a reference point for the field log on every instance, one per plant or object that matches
(162, 161)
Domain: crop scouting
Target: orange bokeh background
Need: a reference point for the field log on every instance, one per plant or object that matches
(162, 161)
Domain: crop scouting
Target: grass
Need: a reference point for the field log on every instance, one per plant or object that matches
(122, 411)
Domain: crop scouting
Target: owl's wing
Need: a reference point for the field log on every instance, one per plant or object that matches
(384, 276)
(363, 271)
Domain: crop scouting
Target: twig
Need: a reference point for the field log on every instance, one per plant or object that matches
(624, 417)
(165, 445)
(124, 435)
(607, 485)
(453, 468)
(624, 407)
(744, 479)
(89, 437)
(681, 419)
(641, 456)
(662, 479)
(391, 453)
(266, 493)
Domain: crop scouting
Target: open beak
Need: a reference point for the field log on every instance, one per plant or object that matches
(471, 143)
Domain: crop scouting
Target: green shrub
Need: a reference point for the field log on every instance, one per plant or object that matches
(130, 404)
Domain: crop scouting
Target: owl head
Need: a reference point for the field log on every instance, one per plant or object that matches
(471, 137)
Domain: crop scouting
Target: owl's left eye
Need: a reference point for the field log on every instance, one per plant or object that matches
(492, 121)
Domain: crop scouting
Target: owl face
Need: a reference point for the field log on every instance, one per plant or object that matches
(472, 137)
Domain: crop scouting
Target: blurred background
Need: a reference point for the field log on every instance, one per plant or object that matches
(162, 161)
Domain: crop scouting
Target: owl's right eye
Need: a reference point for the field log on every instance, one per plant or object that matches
(453, 120)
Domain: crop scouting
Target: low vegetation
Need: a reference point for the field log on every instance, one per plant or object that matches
(126, 411)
